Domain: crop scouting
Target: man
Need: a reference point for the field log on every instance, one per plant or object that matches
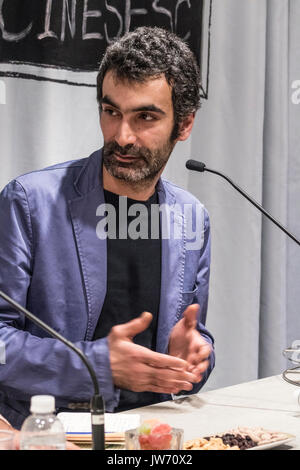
(136, 306)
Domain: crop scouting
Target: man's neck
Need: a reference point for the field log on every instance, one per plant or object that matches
(139, 192)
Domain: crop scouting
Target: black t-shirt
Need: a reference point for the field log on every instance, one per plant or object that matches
(133, 278)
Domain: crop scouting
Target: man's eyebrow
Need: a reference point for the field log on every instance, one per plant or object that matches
(149, 107)
(145, 108)
(107, 100)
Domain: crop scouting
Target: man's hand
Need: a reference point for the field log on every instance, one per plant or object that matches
(187, 343)
(138, 368)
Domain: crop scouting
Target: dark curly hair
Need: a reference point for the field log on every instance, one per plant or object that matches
(149, 52)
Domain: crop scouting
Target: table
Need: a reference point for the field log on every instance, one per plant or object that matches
(270, 402)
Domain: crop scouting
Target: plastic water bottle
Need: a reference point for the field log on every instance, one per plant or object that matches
(42, 430)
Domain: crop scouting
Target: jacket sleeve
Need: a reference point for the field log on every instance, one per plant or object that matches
(29, 364)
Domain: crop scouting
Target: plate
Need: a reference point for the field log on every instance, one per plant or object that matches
(271, 445)
(275, 439)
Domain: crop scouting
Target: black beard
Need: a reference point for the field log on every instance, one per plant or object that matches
(143, 169)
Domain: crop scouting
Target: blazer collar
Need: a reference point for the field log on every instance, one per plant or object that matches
(90, 176)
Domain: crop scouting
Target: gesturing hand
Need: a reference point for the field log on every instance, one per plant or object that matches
(139, 369)
(187, 343)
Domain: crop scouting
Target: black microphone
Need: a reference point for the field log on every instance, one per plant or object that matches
(200, 166)
(97, 402)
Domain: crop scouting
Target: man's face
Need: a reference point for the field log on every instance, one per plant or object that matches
(137, 120)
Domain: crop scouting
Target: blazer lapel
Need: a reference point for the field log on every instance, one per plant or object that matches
(90, 247)
(172, 270)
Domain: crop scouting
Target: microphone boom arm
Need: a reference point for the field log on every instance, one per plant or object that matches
(258, 206)
(55, 335)
(96, 405)
(194, 165)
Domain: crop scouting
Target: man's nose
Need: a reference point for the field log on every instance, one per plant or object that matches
(125, 134)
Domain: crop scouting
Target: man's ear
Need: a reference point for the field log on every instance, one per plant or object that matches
(185, 127)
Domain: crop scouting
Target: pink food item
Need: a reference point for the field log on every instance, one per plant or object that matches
(155, 435)
(161, 428)
(144, 442)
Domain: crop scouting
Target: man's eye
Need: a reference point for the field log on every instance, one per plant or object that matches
(110, 112)
(147, 117)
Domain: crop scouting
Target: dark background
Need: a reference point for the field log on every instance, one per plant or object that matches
(71, 50)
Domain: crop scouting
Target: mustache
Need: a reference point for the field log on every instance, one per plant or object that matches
(129, 149)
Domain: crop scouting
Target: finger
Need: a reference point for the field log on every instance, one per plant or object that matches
(197, 355)
(135, 326)
(198, 365)
(200, 352)
(168, 390)
(190, 316)
(159, 375)
(197, 361)
(174, 389)
(159, 360)
(166, 383)
(200, 369)
(199, 376)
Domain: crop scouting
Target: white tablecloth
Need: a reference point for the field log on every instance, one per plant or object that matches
(270, 403)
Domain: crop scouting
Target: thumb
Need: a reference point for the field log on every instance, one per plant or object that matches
(137, 325)
(190, 316)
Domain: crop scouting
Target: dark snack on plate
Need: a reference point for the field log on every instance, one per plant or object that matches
(243, 442)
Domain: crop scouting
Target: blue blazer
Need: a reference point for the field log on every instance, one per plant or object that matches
(52, 262)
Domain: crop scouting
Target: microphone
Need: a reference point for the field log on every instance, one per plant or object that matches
(97, 402)
(194, 165)
(200, 166)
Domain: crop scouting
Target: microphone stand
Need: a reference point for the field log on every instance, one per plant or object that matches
(97, 402)
(201, 167)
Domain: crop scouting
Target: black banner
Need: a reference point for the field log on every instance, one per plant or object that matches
(73, 34)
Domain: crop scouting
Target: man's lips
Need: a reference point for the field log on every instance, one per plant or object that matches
(124, 158)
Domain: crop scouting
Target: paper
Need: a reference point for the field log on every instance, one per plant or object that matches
(80, 423)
